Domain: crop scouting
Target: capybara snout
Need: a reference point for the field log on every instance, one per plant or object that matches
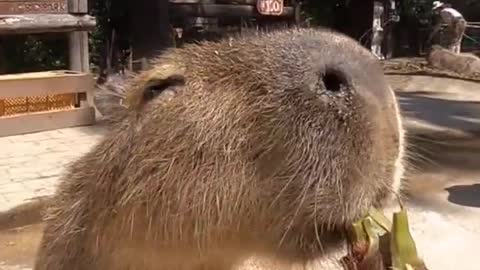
(262, 144)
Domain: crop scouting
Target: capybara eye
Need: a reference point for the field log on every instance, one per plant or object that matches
(156, 88)
(334, 81)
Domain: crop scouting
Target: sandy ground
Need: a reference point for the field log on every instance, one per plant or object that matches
(443, 188)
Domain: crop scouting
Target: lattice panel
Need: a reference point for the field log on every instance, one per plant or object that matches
(21, 105)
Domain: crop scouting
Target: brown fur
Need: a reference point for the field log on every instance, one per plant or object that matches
(231, 149)
(463, 63)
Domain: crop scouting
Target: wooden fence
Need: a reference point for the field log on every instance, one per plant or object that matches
(38, 101)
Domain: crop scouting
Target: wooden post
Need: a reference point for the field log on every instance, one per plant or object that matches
(78, 41)
(78, 51)
(78, 6)
(78, 48)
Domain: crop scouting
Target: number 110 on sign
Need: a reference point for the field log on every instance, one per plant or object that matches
(270, 7)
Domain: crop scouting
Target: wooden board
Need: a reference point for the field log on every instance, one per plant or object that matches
(33, 7)
(30, 104)
(45, 83)
(43, 121)
(45, 23)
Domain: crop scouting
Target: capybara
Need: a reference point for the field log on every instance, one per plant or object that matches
(463, 63)
(264, 144)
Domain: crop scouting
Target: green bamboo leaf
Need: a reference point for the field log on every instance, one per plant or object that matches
(357, 233)
(372, 236)
(380, 219)
(403, 248)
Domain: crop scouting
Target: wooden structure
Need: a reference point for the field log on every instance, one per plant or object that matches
(38, 101)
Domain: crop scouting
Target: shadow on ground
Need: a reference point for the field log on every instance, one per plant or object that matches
(20, 234)
(25, 214)
(466, 195)
(428, 148)
(444, 113)
(443, 150)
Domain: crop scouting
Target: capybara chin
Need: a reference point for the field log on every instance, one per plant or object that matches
(265, 144)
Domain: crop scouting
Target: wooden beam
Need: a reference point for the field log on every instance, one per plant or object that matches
(22, 7)
(45, 23)
(45, 83)
(42, 121)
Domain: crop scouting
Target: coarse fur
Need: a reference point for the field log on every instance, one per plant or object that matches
(463, 63)
(264, 144)
(109, 97)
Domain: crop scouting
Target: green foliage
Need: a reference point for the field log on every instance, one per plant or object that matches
(322, 12)
(419, 11)
(110, 15)
(97, 37)
(28, 53)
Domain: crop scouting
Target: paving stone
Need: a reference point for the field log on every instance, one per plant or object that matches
(13, 187)
(7, 205)
(40, 183)
(24, 176)
(4, 171)
(4, 162)
(31, 164)
(23, 171)
(19, 198)
(54, 172)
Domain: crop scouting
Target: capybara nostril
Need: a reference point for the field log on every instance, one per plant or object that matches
(334, 80)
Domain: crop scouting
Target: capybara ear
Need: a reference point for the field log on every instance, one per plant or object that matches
(154, 83)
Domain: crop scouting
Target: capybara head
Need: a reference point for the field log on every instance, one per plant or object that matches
(270, 139)
(304, 116)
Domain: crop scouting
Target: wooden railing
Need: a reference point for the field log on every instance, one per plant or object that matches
(39, 101)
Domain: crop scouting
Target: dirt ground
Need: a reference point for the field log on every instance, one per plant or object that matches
(19, 245)
(443, 189)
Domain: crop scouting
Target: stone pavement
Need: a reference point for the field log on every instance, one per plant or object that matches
(30, 164)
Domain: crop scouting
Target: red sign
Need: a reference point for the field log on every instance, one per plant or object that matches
(270, 7)
(11, 7)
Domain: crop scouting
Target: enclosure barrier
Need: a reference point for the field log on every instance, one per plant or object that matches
(39, 101)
